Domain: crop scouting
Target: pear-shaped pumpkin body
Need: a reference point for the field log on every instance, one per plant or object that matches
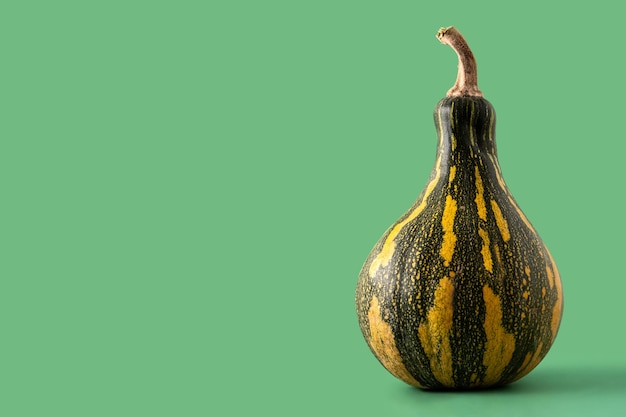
(461, 292)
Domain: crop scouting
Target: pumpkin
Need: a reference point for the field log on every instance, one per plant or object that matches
(461, 292)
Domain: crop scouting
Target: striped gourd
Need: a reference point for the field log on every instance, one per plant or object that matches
(461, 292)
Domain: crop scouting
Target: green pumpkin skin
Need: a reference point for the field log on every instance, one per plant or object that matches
(461, 292)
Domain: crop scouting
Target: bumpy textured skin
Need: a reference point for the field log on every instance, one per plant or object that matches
(461, 292)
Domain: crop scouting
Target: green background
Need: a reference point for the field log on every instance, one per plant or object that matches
(189, 190)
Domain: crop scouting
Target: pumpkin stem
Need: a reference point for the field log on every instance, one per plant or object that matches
(467, 78)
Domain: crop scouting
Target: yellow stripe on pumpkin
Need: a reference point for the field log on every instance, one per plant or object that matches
(486, 250)
(447, 223)
(503, 225)
(500, 344)
(384, 346)
(480, 198)
(531, 360)
(557, 310)
(434, 333)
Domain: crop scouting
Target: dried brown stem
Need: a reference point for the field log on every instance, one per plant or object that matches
(467, 78)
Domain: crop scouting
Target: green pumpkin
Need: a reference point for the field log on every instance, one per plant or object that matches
(461, 292)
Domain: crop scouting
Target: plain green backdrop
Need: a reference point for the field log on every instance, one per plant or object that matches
(188, 190)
